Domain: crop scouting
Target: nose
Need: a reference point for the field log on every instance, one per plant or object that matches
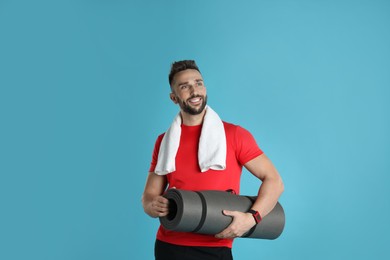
(192, 89)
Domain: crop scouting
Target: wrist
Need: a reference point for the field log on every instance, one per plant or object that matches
(256, 215)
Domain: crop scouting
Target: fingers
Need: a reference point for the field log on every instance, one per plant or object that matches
(227, 235)
(230, 213)
(160, 206)
(240, 225)
(230, 231)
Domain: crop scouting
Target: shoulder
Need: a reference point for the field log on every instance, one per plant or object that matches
(159, 140)
(234, 129)
(161, 136)
(229, 126)
(238, 135)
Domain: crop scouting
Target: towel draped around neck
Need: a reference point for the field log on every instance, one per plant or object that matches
(212, 145)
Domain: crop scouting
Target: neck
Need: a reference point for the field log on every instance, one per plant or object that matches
(191, 120)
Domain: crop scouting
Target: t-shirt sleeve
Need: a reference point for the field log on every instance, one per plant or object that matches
(156, 149)
(246, 146)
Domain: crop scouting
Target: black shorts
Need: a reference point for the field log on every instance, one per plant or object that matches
(167, 251)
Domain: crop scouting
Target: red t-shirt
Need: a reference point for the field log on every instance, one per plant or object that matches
(241, 148)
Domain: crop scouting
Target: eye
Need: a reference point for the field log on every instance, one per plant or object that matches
(199, 83)
(183, 86)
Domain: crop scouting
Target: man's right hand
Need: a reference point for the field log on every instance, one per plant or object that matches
(159, 206)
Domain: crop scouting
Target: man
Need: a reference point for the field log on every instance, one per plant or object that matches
(189, 92)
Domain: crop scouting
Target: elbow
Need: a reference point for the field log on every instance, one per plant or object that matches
(280, 186)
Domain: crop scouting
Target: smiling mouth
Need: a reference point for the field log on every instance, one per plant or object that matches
(195, 100)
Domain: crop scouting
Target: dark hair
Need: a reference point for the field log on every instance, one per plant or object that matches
(178, 66)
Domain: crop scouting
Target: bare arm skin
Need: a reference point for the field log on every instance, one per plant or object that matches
(154, 204)
(268, 195)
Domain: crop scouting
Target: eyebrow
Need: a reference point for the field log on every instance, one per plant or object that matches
(185, 83)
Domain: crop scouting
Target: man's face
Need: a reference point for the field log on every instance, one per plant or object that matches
(189, 91)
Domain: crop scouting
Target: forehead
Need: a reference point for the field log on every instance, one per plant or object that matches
(186, 76)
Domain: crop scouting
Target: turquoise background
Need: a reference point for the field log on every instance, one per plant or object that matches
(84, 93)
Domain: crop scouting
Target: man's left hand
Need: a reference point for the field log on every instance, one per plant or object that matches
(242, 223)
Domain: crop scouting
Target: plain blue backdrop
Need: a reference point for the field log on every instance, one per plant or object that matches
(84, 94)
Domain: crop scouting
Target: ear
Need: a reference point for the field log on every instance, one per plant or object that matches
(173, 98)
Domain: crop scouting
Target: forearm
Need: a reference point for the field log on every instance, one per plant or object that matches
(268, 195)
(271, 187)
(153, 203)
(147, 202)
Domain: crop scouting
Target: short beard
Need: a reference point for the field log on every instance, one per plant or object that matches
(190, 110)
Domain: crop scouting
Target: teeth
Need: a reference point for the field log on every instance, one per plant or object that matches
(195, 100)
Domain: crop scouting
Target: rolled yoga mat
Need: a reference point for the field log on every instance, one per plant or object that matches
(201, 212)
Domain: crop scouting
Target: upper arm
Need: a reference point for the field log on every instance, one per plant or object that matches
(262, 167)
(155, 184)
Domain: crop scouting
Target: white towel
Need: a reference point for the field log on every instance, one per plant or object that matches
(212, 145)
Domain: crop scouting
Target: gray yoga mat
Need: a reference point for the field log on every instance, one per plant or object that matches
(201, 212)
